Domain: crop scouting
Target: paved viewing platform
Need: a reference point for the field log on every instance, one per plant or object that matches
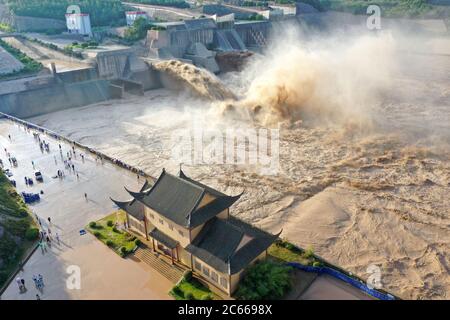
(64, 202)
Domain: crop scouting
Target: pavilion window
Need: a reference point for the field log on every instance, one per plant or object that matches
(170, 226)
(224, 282)
(214, 277)
(181, 233)
(197, 265)
(206, 271)
(161, 221)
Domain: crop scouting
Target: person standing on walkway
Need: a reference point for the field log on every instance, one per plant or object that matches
(49, 220)
(85, 196)
(23, 284)
(57, 237)
(41, 280)
(37, 297)
(44, 246)
(19, 283)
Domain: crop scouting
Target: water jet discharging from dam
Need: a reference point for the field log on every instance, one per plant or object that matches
(199, 80)
(293, 81)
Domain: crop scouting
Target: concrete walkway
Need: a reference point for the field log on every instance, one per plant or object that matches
(104, 275)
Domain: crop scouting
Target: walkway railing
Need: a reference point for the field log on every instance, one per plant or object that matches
(345, 278)
(99, 154)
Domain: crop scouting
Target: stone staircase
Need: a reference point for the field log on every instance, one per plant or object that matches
(171, 272)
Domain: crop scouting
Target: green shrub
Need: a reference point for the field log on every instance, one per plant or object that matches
(23, 212)
(114, 229)
(3, 277)
(8, 248)
(309, 253)
(97, 234)
(206, 297)
(123, 251)
(109, 243)
(177, 291)
(266, 280)
(317, 264)
(189, 296)
(17, 227)
(30, 65)
(6, 27)
(138, 242)
(129, 237)
(93, 224)
(289, 246)
(110, 223)
(32, 234)
(188, 275)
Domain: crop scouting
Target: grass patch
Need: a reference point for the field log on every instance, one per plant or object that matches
(18, 230)
(287, 252)
(107, 231)
(11, 203)
(191, 289)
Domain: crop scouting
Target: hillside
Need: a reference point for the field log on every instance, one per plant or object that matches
(17, 229)
(103, 13)
(389, 8)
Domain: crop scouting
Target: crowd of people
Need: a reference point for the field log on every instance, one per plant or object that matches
(99, 156)
(38, 283)
(46, 236)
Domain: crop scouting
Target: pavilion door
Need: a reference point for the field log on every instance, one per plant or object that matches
(164, 249)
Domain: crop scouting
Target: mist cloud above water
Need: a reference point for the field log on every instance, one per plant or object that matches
(337, 79)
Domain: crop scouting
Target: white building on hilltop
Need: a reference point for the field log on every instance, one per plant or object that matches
(79, 23)
(133, 15)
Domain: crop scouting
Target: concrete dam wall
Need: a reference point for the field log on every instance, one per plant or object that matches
(54, 98)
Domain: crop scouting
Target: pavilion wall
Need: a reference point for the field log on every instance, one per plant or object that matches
(164, 227)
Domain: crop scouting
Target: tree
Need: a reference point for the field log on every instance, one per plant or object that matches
(266, 280)
(138, 30)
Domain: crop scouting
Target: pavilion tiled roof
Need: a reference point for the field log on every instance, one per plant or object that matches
(229, 245)
(178, 198)
(133, 207)
(163, 238)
